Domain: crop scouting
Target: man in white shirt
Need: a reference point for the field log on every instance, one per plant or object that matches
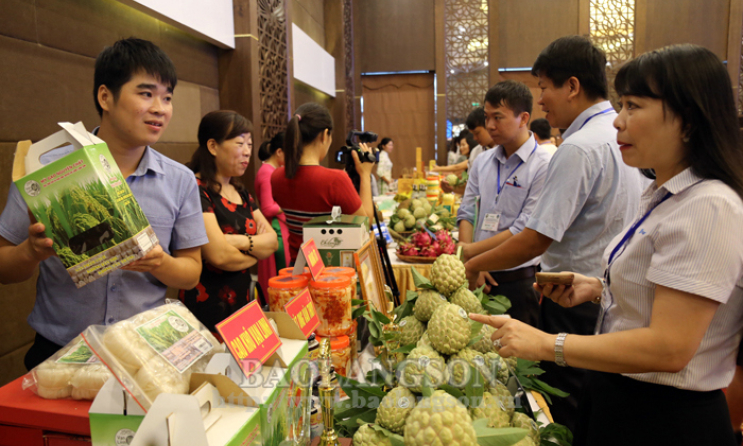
(541, 129)
(589, 195)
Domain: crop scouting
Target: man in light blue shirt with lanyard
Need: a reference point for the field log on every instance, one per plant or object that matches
(508, 181)
(589, 196)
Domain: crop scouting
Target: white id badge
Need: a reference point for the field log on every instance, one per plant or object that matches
(606, 301)
(491, 222)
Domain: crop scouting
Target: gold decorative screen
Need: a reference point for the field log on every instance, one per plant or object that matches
(272, 66)
(612, 28)
(466, 48)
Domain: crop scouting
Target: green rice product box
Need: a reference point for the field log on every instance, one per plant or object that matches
(84, 203)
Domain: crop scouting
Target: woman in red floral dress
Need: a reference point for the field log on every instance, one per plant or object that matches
(238, 233)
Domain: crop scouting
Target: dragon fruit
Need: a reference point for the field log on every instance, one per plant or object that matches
(408, 249)
(445, 241)
(428, 251)
(435, 247)
(421, 239)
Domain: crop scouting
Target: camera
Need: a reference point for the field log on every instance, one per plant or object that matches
(344, 153)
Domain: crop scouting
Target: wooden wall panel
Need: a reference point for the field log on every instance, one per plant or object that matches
(395, 35)
(684, 21)
(18, 19)
(526, 27)
(531, 82)
(309, 16)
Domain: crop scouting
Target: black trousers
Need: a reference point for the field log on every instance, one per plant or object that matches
(616, 410)
(524, 299)
(40, 351)
(577, 320)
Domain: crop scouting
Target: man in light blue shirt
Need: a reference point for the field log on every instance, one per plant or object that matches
(589, 196)
(507, 181)
(134, 82)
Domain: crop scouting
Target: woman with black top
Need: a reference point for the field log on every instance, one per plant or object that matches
(238, 233)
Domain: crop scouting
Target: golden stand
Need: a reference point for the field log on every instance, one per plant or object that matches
(327, 397)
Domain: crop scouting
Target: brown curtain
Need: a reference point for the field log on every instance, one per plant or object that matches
(401, 107)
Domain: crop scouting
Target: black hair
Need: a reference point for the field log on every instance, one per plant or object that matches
(384, 142)
(512, 94)
(117, 64)
(574, 56)
(471, 141)
(269, 148)
(693, 83)
(220, 125)
(541, 128)
(454, 143)
(476, 118)
(308, 121)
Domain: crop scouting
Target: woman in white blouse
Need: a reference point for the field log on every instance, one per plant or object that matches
(671, 296)
(384, 167)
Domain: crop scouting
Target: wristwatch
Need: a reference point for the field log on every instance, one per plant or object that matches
(559, 353)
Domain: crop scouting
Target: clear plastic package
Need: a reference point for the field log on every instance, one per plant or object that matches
(154, 351)
(73, 372)
(331, 296)
(282, 289)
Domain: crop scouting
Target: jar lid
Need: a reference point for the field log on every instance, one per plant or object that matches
(338, 342)
(288, 282)
(328, 281)
(288, 271)
(339, 271)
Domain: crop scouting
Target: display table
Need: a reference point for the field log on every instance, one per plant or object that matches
(404, 275)
(29, 420)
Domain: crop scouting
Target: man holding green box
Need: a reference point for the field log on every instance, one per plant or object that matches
(134, 82)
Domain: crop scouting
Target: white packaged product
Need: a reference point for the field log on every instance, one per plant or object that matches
(154, 351)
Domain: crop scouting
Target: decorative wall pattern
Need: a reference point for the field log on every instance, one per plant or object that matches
(740, 81)
(274, 95)
(348, 50)
(612, 28)
(466, 48)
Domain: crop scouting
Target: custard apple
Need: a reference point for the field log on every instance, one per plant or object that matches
(367, 436)
(403, 213)
(485, 345)
(440, 420)
(502, 394)
(459, 367)
(411, 330)
(512, 361)
(448, 274)
(492, 409)
(423, 365)
(420, 212)
(399, 226)
(523, 421)
(427, 301)
(424, 341)
(449, 329)
(467, 300)
(452, 179)
(395, 408)
(409, 222)
(497, 364)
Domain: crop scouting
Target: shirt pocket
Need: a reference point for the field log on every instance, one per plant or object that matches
(510, 203)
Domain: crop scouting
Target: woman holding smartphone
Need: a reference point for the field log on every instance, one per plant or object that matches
(671, 297)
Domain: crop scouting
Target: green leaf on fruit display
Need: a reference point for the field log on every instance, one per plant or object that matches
(475, 385)
(494, 308)
(507, 436)
(503, 300)
(426, 391)
(382, 318)
(451, 390)
(420, 280)
(555, 434)
(397, 440)
(358, 312)
(357, 302)
(475, 328)
(404, 349)
(374, 330)
(474, 340)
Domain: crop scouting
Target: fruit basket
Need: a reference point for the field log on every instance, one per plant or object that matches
(415, 259)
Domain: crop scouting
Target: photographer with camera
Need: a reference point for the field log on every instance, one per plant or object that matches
(306, 190)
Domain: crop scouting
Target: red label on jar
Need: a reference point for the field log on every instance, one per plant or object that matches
(249, 337)
(312, 256)
(303, 312)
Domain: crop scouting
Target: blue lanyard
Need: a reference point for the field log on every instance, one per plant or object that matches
(630, 233)
(594, 115)
(500, 187)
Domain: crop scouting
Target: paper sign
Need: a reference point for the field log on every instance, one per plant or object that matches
(310, 256)
(249, 337)
(303, 312)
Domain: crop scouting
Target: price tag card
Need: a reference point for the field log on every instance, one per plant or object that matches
(249, 337)
(310, 256)
(303, 312)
